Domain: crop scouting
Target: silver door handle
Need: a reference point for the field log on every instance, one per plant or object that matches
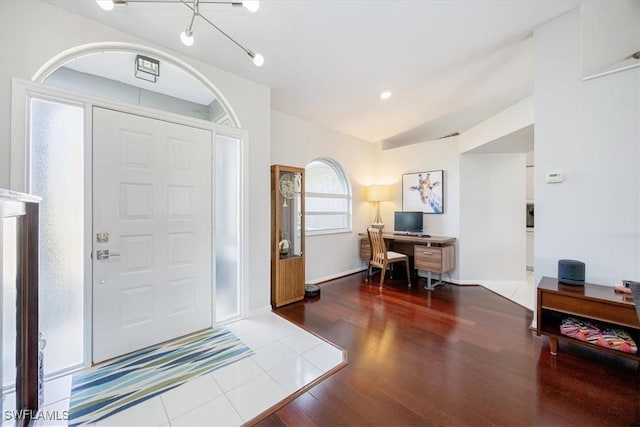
(104, 254)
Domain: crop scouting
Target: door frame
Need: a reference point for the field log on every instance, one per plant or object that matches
(22, 91)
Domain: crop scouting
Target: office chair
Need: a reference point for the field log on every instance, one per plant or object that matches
(380, 257)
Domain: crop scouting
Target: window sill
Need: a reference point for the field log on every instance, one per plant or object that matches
(325, 232)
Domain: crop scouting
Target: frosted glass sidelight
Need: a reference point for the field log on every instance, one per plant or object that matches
(56, 174)
(9, 271)
(227, 244)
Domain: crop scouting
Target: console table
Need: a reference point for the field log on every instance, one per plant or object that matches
(434, 254)
(591, 302)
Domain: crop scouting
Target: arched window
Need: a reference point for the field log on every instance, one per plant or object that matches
(106, 70)
(327, 198)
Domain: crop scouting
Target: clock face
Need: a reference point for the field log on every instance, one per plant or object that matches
(287, 186)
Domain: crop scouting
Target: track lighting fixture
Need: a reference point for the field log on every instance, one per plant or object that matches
(186, 37)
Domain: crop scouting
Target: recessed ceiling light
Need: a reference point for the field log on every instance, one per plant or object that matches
(385, 95)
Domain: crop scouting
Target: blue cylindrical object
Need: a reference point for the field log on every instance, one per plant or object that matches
(571, 272)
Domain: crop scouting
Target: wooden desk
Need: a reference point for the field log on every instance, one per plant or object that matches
(600, 304)
(438, 258)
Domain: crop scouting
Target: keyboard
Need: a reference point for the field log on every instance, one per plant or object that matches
(401, 233)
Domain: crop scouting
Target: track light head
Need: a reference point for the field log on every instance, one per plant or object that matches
(186, 37)
(105, 4)
(251, 5)
(258, 59)
(110, 4)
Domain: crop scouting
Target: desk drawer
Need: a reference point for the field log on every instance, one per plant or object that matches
(594, 309)
(428, 258)
(434, 258)
(365, 250)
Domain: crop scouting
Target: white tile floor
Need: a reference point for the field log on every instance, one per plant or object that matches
(286, 359)
(522, 293)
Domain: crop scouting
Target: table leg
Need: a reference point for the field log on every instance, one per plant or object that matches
(428, 286)
(431, 286)
(553, 345)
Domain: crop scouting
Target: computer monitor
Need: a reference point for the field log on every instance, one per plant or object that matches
(408, 222)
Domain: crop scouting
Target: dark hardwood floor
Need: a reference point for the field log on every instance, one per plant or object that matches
(460, 355)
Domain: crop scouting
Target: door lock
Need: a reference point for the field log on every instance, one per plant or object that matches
(103, 254)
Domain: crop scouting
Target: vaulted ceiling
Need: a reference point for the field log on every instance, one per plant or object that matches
(449, 64)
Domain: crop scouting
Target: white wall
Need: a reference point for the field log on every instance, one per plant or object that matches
(492, 220)
(295, 142)
(494, 244)
(484, 196)
(588, 130)
(31, 33)
(392, 163)
(493, 197)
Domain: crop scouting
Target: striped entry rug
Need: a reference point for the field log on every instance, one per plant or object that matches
(104, 390)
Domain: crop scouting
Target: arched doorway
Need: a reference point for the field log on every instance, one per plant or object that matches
(71, 71)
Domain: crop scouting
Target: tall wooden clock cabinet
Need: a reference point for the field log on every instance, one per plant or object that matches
(287, 235)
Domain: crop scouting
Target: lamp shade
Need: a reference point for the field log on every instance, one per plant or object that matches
(378, 193)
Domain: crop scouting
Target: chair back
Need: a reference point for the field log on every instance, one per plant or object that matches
(378, 248)
(635, 291)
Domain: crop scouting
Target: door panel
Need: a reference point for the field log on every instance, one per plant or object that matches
(152, 195)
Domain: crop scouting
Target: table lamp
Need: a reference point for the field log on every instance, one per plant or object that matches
(377, 194)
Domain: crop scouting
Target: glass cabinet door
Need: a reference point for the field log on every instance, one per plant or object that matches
(287, 238)
(291, 229)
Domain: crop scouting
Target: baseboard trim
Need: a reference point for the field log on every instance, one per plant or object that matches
(488, 283)
(463, 282)
(336, 276)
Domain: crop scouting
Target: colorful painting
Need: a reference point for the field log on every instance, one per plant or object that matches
(423, 191)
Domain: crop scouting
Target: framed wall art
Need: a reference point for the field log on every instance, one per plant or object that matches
(423, 191)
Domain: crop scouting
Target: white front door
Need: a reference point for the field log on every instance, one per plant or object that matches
(152, 214)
